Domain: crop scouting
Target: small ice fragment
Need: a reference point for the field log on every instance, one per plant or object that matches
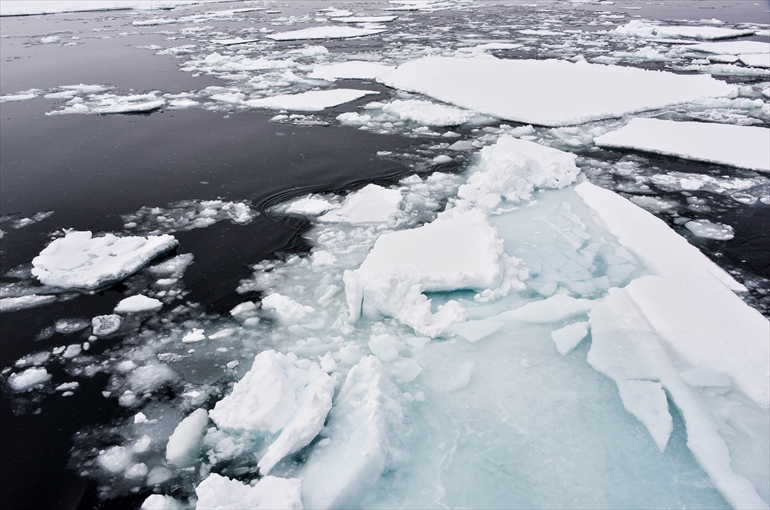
(159, 474)
(14, 304)
(196, 335)
(440, 160)
(53, 39)
(31, 377)
(138, 303)
(67, 326)
(312, 101)
(568, 337)
(218, 493)
(103, 325)
(67, 386)
(405, 370)
(142, 444)
(386, 347)
(160, 502)
(222, 333)
(71, 351)
(370, 204)
(554, 309)
(287, 310)
(114, 459)
(328, 364)
(136, 471)
(140, 417)
(473, 331)
(707, 229)
(647, 401)
(233, 364)
(184, 444)
(244, 310)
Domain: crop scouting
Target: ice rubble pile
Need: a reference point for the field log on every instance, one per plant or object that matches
(740, 146)
(548, 92)
(79, 260)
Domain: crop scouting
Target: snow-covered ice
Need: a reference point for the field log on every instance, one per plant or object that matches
(741, 146)
(138, 303)
(327, 32)
(732, 47)
(353, 69)
(184, 444)
(29, 378)
(14, 304)
(549, 92)
(640, 28)
(312, 101)
(217, 492)
(79, 260)
(371, 204)
(710, 230)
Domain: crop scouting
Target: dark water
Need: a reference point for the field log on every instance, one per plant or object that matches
(91, 169)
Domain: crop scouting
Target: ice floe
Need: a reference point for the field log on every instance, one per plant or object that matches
(79, 260)
(29, 378)
(138, 303)
(549, 92)
(354, 69)
(327, 32)
(312, 101)
(710, 230)
(218, 493)
(640, 28)
(111, 104)
(741, 146)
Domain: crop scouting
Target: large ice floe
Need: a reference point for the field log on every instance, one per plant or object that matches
(549, 92)
(79, 260)
(740, 146)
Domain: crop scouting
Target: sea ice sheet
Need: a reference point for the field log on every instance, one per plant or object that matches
(327, 32)
(741, 146)
(312, 101)
(549, 92)
(79, 260)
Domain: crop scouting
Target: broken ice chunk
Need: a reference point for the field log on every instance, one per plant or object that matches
(14, 304)
(707, 229)
(740, 146)
(280, 393)
(184, 444)
(29, 378)
(352, 69)
(287, 310)
(554, 309)
(364, 429)
(79, 260)
(159, 501)
(370, 204)
(568, 337)
(138, 303)
(103, 325)
(219, 493)
(512, 169)
(327, 32)
(312, 101)
(647, 401)
(473, 331)
(114, 459)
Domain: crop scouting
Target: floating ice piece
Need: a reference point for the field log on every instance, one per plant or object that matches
(370, 204)
(364, 430)
(236, 40)
(353, 69)
(665, 251)
(103, 325)
(403, 264)
(14, 304)
(160, 502)
(726, 144)
(287, 310)
(30, 377)
(115, 459)
(217, 492)
(51, 39)
(154, 22)
(27, 7)
(638, 28)
(702, 323)
(216, 62)
(425, 112)
(365, 19)
(513, 168)
(280, 393)
(732, 47)
(554, 309)
(328, 32)
(79, 260)
(184, 444)
(24, 95)
(312, 101)
(549, 92)
(138, 303)
(310, 206)
(707, 229)
(568, 337)
(647, 401)
(473, 331)
(756, 60)
(110, 103)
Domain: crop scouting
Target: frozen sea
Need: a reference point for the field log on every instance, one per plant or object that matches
(372, 254)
